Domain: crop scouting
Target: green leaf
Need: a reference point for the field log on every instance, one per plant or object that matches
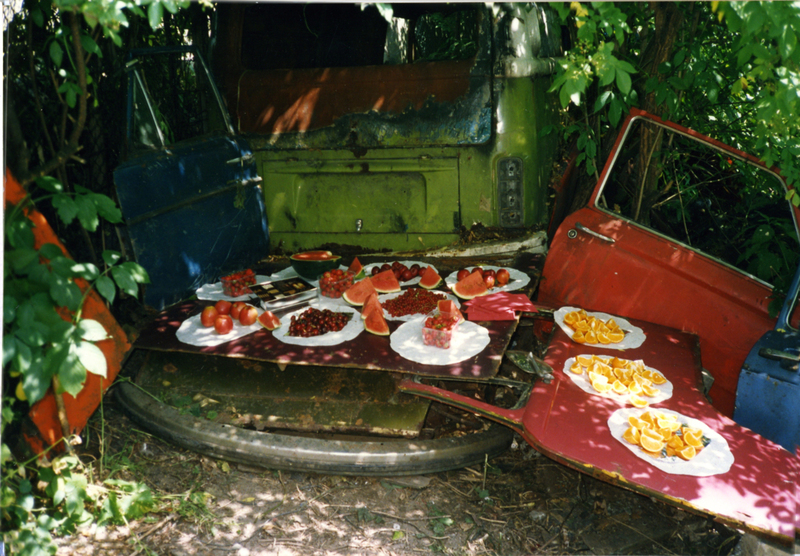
(56, 53)
(65, 293)
(49, 183)
(21, 258)
(111, 257)
(89, 45)
(9, 308)
(615, 112)
(22, 358)
(19, 233)
(397, 535)
(9, 349)
(106, 208)
(50, 251)
(87, 212)
(71, 372)
(124, 280)
(36, 379)
(623, 81)
(66, 207)
(91, 330)
(92, 358)
(155, 14)
(105, 287)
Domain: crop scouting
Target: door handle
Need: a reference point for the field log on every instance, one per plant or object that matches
(242, 160)
(776, 354)
(573, 233)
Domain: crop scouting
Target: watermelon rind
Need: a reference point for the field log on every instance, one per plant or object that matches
(358, 293)
(429, 279)
(386, 282)
(356, 269)
(376, 324)
(313, 264)
(471, 287)
(313, 256)
(371, 304)
(268, 320)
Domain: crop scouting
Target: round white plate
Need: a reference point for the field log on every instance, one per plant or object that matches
(714, 459)
(352, 329)
(468, 340)
(405, 318)
(213, 292)
(413, 281)
(583, 382)
(516, 279)
(634, 336)
(192, 332)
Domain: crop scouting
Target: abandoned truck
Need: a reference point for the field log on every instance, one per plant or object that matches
(424, 143)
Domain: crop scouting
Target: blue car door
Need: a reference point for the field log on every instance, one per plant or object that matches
(189, 190)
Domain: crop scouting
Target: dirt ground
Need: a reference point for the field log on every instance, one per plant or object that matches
(518, 503)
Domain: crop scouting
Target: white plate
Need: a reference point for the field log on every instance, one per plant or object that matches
(352, 329)
(468, 340)
(583, 382)
(213, 292)
(413, 281)
(714, 459)
(516, 279)
(405, 318)
(192, 332)
(634, 336)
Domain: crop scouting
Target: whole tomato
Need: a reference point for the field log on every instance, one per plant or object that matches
(223, 325)
(208, 316)
(502, 277)
(236, 308)
(463, 273)
(248, 315)
(223, 307)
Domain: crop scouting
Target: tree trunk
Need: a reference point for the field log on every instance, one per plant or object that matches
(668, 22)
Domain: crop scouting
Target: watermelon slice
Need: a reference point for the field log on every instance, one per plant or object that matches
(447, 308)
(376, 324)
(430, 279)
(313, 256)
(470, 287)
(356, 269)
(385, 282)
(358, 293)
(371, 304)
(268, 320)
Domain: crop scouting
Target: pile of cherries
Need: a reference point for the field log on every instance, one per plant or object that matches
(402, 272)
(223, 313)
(313, 322)
(413, 301)
(490, 277)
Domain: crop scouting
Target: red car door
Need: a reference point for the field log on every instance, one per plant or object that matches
(690, 263)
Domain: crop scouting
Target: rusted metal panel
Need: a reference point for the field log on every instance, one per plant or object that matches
(367, 351)
(259, 395)
(648, 276)
(758, 493)
(44, 413)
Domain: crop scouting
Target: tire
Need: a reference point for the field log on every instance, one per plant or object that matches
(288, 452)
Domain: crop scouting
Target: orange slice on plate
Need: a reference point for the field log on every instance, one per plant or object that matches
(638, 402)
(579, 337)
(657, 378)
(650, 444)
(687, 453)
(693, 437)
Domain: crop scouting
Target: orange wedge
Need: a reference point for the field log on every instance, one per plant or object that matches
(581, 325)
(584, 360)
(636, 401)
(615, 337)
(576, 368)
(687, 453)
(638, 423)
(657, 378)
(591, 337)
(650, 444)
(693, 437)
(570, 318)
(634, 387)
(675, 442)
(578, 337)
(602, 387)
(619, 387)
(632, 435)
(648, 390)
